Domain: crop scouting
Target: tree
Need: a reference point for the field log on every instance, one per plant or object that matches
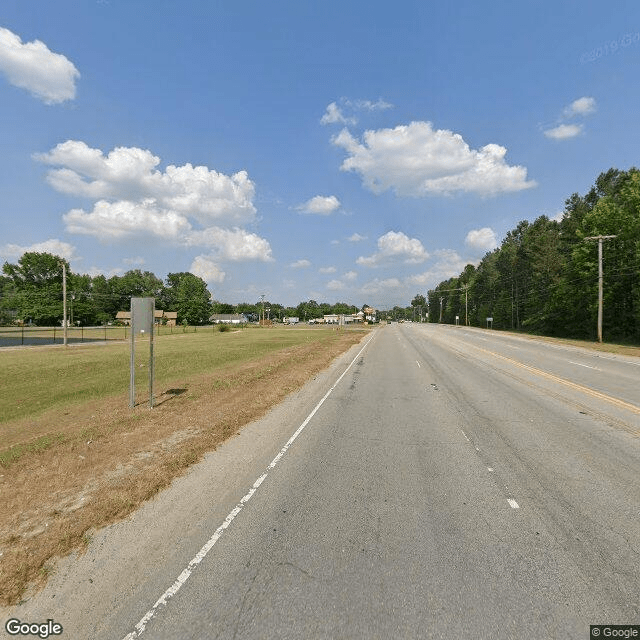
(188, 295)
(36, 287)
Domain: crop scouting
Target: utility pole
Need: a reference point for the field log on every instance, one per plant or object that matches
(64, 303)
(262, 300)
(466, 306)
(441, 299)
(600, 280)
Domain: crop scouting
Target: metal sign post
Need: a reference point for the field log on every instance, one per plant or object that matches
(142, 317)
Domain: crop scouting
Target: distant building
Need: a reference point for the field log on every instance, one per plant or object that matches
(228, 318)
(170, 318)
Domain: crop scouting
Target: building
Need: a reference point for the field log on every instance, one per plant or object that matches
(228, 318)
(170, 318)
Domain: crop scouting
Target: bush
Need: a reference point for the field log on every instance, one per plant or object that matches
(224, 327)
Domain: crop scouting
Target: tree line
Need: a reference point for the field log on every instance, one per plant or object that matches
(31, 291)
(544, 276)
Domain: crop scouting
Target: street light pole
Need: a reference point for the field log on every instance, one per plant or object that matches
(64, 303)
(600, 280)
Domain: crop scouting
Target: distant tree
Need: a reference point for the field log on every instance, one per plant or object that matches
(188, 295)
(36, 287)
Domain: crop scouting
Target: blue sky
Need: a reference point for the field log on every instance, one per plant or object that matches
(336, 151)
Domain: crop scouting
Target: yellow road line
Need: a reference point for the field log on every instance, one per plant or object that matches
(621, 404)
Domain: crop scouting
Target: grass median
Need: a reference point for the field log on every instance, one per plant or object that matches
(74, 456)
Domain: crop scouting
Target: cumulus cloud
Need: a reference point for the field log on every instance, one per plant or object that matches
(49, 76)
(350, 276)
(356, 237)
(185, 206)
(564, 131)
(300, 264)
(416, 160)
(580, 107)
(131, 174)
(232, 244)
(53, 246)
(320, 205)
(327, 270)
(395, 244)
(482, 239)
(122, 219)
(207, 269)
(448, 263)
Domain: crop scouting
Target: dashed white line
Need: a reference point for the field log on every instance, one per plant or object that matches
(199, 557)
(512, 503)
(586, 366)
(465, 435)
(419, 367)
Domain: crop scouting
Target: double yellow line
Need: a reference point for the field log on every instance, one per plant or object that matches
(621, 404)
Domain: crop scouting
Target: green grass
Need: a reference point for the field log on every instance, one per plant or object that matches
(35, 380)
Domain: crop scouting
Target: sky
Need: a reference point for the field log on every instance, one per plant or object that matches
(336, 151)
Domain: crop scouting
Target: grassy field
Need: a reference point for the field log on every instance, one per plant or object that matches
(36, 379)
(74, 456)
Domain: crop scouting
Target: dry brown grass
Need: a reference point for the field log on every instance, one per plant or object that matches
(110, 459)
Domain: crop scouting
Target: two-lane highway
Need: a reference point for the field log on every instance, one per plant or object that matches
(452, 483)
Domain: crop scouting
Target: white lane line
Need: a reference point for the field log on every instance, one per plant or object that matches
(512, 503)
(419, 367)
(465, 435)
(583, 365)
(489, 468)
(199, 557)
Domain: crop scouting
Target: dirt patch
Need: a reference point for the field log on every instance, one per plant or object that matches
(106, 460)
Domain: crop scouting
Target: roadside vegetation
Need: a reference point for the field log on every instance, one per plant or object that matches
(543, 278)
(74, 456)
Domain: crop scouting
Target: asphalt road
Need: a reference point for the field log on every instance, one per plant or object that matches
(452, 483)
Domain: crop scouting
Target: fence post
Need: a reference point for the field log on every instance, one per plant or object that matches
(54, 334)
(22, 341)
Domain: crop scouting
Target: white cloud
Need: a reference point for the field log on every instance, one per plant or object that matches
(416, 160)
(335, 285)
(378, 286)
(447, 265)
(580, 107)
(184, 206)
(320, 205)
(564, 131)
(333, 115)
(207, 269)
(327, 270)
(356, 237)
(231, 244)
(482, 239)
(395, 244)
(130, 174)
(53, 246)
(122, 219)
(300, 264)
(32, 66)
(138, 261)
(107, 273)
(350, 276)
(368, 105)
(558, 217)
